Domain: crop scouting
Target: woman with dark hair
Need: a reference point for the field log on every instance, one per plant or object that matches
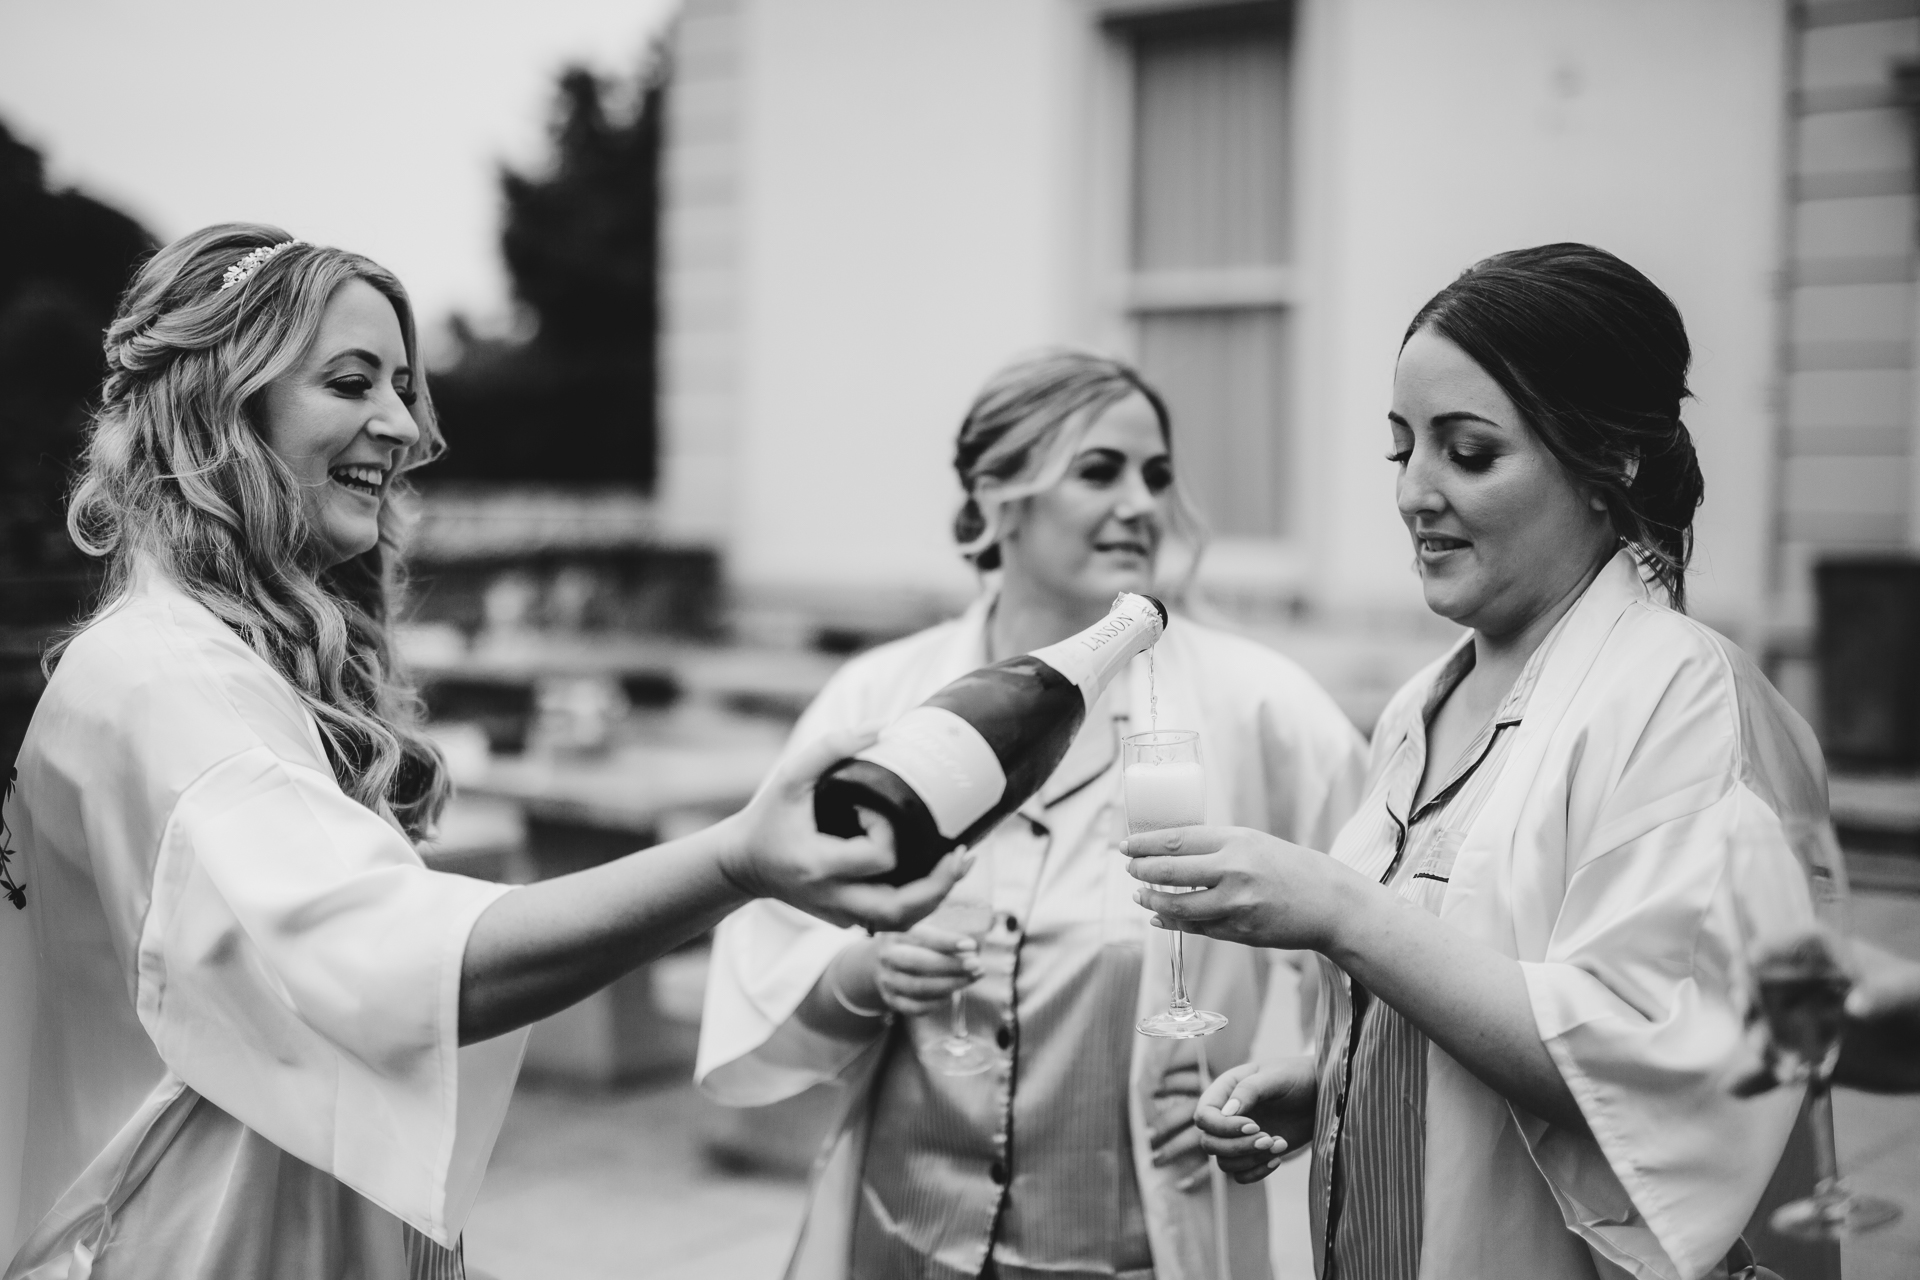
(267, 1040)
(1072, 1154)
(1527, 929)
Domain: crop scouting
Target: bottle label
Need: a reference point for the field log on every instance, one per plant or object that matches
(1090, 658)
(946, 762)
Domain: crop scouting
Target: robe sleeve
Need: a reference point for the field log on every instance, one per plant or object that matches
(768, 956)
(300, 968)
(1636, 996)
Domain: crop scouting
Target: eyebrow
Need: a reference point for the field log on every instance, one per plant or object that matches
(1108, 451)
(368, 357)
(1444, 419)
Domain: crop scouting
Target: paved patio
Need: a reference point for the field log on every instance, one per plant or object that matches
(618, 1186)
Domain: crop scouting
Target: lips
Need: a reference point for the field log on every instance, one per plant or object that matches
(361, 478)
(1125, 548)
(1439, 543)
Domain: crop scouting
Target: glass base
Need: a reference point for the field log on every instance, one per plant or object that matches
(954, 1056)
(1833, 1213)
(1181, 1024)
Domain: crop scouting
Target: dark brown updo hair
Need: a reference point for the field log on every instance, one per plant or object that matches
(1024, 428)
(1594, 355)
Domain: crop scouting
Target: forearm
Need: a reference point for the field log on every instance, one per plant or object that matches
(1467, 998)
(545, 946)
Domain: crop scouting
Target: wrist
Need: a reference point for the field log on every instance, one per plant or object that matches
(733, 857)
(1354, 915)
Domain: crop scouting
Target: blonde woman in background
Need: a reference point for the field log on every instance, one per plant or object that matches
(268, 1041)
(1073, 1155)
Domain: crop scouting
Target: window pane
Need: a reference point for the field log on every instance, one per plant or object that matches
(1210, 148)
(1224, 376)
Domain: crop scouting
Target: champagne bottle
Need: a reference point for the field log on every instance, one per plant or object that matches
(948, 771)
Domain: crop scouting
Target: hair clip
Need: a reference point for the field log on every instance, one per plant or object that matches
(242, 271)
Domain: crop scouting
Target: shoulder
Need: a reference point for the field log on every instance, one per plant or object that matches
(159, 669)
(888, 678)
(1665, 677)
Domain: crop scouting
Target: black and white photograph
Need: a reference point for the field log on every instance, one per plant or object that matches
(960, 640)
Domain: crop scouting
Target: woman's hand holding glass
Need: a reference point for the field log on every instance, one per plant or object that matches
(1253, 1116)
(1253, 888)
(917, 973)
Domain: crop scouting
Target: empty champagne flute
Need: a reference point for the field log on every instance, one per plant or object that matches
(1792, 912)
(967, 911)
(1164, 786)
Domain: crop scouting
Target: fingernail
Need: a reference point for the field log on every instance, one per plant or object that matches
(1279, 1145)
(1262, 1143)
(1274, 1163)
(1249, 1127)
(1139, 897)
(1857, 1003)
(1232, 1108)
(1155, 922)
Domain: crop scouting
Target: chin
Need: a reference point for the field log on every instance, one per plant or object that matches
(1448, 600)
(1111, 583)
(342, 545)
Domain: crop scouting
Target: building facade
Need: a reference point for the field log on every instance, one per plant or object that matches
(872, 204)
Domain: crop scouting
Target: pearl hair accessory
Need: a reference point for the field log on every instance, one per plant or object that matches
(242, 271)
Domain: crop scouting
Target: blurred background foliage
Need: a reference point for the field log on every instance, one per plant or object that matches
(581, 245)
(64, 258)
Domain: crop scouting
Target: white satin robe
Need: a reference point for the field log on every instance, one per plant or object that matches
(1280, 756)
(1602, 862)
(244, 1029)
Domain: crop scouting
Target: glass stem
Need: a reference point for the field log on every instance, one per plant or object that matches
(957, 1018)
(1180, 1005)
(1820, 1116)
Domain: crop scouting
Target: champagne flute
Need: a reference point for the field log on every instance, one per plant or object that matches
(966, 911)
(1164, 786)
(1792, 912)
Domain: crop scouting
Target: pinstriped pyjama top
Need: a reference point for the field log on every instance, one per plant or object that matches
(1367, 1185)
(1024, 1172)
(429, 1261)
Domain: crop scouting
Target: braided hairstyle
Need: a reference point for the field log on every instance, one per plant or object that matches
(178, 478)
(1595, 357)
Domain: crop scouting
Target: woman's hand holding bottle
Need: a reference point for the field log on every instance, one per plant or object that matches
(777, 852)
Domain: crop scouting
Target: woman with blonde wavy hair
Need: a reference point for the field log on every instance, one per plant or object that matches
(268, 1041)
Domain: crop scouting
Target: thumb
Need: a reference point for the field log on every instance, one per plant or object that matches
(1220, 1092)
(795, 775)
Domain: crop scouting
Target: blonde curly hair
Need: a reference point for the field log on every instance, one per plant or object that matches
(178, 478)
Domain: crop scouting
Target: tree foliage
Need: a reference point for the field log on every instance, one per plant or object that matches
(64, 259)
(575, 401)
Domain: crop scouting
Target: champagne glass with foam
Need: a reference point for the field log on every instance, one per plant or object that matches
(1165, 786)
(1791, 907)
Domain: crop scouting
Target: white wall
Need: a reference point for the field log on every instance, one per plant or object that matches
(1439, 133)
(913, 194)
(903, 165)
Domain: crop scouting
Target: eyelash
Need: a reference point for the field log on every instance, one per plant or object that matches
(1469, 462)
(356, 386)
(1158, 481)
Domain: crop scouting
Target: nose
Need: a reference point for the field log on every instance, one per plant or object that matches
(1417, 492)
(392, 423)
(1136, 500)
